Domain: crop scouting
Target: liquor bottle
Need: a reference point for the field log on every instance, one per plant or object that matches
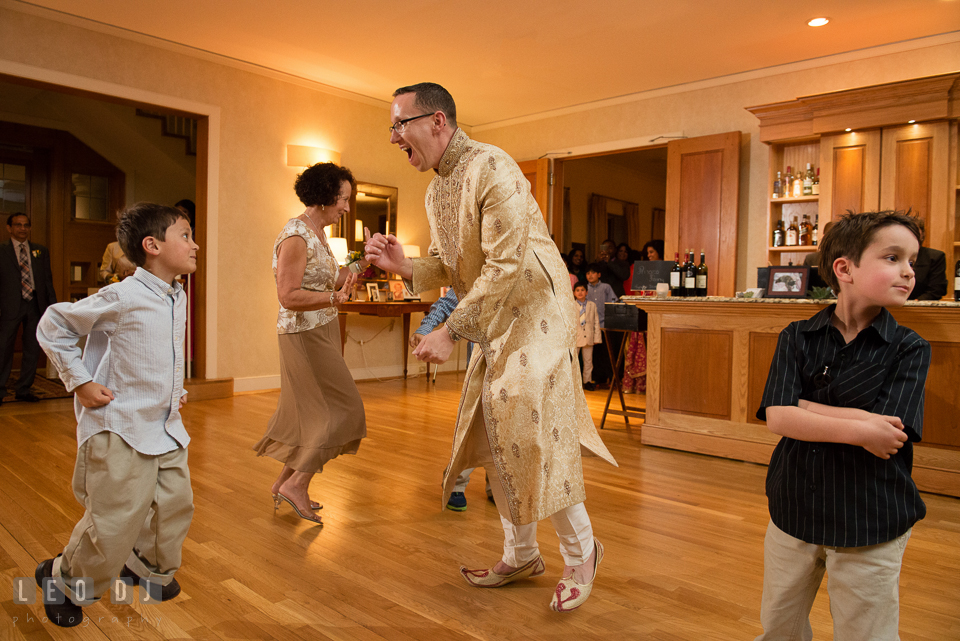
(690, 276)
(808, 181)
(777, 186)
(956, 282)
(778, 239)
(816, 183)
(793, 233)
(815, 234)
(787, 184)
(702, 276)
(675, 275)
(797, 190)
(805, 231)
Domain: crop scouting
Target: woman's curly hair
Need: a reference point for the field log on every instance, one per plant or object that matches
(320, 184)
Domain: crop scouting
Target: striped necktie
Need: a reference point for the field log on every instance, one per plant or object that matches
(26, 277)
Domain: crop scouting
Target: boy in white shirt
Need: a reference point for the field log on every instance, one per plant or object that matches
(132, 457)
(588, 332)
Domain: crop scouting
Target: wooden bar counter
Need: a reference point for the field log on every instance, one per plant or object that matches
(707, 364)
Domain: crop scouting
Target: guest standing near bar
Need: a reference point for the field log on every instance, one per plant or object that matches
(320, 415)
(522, 415)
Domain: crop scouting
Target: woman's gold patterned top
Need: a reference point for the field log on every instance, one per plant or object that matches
(320, 275)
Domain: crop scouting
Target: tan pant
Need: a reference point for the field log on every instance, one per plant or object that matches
(863, 583)
(572, 524)
(138, 511)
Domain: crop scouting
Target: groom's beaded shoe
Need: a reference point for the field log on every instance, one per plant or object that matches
(570, 594)
(490, 579)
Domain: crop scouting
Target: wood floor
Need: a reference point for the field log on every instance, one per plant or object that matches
(683, 535)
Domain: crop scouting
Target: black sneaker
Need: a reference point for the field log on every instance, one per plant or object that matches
(167, 592)
(457, 502)
(66, 614)
(28, 398)
(589, 386)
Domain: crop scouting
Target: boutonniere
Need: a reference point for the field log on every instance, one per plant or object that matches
(36, 253)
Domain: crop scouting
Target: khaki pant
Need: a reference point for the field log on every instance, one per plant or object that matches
(572, 524)
(863, 583)
(138, 511)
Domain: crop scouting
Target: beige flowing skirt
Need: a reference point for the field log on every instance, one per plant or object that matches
(320, 414)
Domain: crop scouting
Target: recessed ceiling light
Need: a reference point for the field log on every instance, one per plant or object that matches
(818, 22)
(910, 122)
(847, 129)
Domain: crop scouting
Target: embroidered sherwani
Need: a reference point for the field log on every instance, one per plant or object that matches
(489, 242)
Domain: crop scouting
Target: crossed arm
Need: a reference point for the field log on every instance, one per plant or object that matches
(882, 436)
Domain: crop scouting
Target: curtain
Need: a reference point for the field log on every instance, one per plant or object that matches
(631, 211)
(598, 225)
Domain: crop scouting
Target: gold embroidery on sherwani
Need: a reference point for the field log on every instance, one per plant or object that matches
(489, 241)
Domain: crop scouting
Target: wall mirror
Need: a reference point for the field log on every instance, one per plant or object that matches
(374, 207)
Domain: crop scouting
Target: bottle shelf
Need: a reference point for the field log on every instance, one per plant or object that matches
(793, 248)
(801, 199)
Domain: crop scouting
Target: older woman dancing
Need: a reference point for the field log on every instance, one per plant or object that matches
(320, 415)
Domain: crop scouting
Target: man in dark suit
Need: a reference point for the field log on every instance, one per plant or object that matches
(26, 290)
(931, 275)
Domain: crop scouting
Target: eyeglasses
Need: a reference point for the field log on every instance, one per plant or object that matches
(400, 125)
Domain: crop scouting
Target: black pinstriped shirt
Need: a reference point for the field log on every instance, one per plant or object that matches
(833, 493)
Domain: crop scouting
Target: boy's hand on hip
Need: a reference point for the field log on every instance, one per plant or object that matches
(881, 437)
(92, 394)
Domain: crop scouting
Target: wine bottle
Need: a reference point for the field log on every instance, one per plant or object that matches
(805, 231)
(690, 276)
(675, 275)
(778, 239)
(808, 181)
(702, 276)
(956, 282)
(793, 233)
(797, 190)
(814, 235)
(816, 183)
(787, 182)
(777, 186)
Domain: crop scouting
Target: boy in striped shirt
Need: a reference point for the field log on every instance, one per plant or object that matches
(845, 393)
(131, 473)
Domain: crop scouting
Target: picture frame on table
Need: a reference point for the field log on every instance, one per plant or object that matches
(397, 289)
(788, 282)
(373, 293)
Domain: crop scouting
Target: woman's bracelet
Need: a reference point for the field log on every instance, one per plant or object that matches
(335, 299)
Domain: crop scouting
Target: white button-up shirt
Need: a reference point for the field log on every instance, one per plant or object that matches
(135, 337)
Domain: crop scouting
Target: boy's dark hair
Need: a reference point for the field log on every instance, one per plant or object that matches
(319, 185)
(594, 267)
(580, 283)
(853, 233)
(190, 207)
(140, 221)
(432, 98)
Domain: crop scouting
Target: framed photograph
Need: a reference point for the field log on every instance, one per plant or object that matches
(397, 289)
(373, 293)
(788, 282)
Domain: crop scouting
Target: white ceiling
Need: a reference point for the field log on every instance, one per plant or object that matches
(504, 59)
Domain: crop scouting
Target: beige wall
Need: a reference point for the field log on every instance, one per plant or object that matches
(257, 117)
(716, 109)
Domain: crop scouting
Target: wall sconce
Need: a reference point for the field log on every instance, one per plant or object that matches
(338, 246)
(301, 156)
(411, 251)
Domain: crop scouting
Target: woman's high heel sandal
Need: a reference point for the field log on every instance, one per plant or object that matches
(313, 518)
(570, 594)
(490, 579)
(313, 504)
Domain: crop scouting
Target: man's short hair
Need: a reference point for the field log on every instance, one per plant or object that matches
(853, 233)
(595, 267)
(580, 283)
(431, 97)
(140, 221)
(14, 215)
